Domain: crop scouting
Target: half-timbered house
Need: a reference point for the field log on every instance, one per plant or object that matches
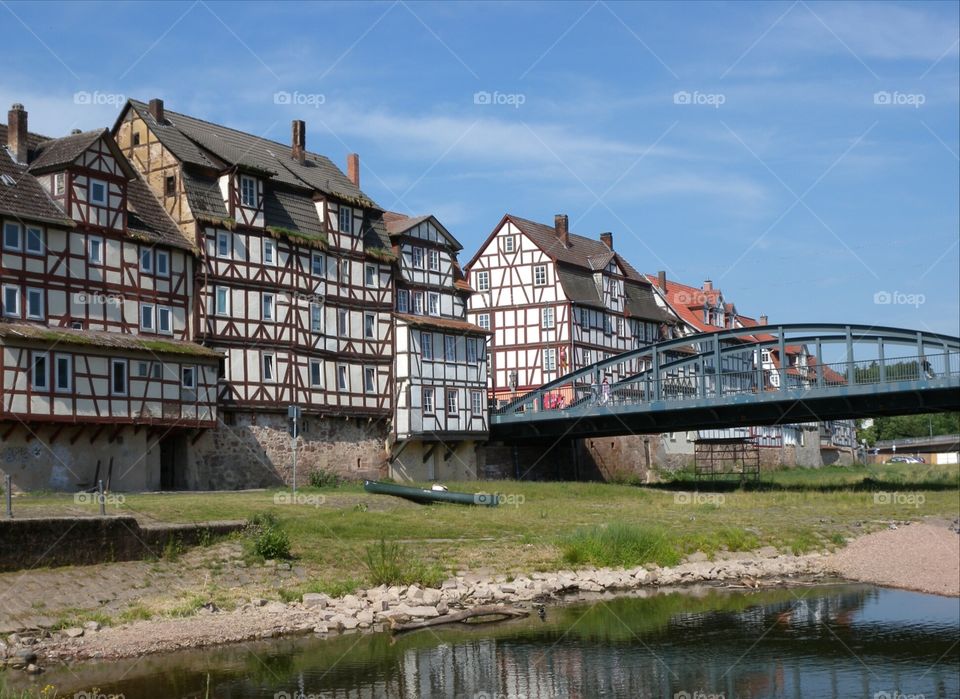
(294, 286)
(98, 380)
(440, 414)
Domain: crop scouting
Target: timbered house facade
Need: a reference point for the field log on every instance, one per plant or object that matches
(294, 286)
(95, 284)
(555, 302)
(440, 415)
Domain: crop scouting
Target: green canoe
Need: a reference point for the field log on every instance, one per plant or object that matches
(425, 496)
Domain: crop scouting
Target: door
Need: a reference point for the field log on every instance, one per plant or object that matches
(173, 454)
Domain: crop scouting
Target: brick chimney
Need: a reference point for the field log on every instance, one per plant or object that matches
(353, 168)
(298, 141)
(662, 279)
(607, 239)
(17, 132)
(707, 285)
(561, 224)
(156, 110)
(763, 320)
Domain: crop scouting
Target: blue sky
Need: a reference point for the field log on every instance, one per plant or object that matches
(803, 156)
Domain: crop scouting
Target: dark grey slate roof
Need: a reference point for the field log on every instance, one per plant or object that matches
(579, 286)
(641, 303)
(285, 209)
(148, 220)
(60, 152)
(203, 195)
(34, 141)
(25, 198)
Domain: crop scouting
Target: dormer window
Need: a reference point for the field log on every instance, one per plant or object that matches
(98, 192)
(170, 186)
(59, 184)
(346, 219)
(248, 192)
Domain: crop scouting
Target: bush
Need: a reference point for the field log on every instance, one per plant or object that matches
(325, 479)
(268, 537)
(620, 545)
(392, 563)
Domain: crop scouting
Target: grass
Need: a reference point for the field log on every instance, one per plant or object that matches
(556, 523)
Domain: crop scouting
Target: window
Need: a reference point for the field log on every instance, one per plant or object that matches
(418, 303)
(451, 402)
(417, 255)
(369, 379)
(267, 306)
(540, 275)
(449, 348)
(345, 219)
(483, 281)
(471, 350)
(222, 307)
(584, 317)
(269, 252)
(433, 258)
(98, 192)
(620, 326)
(170, 186)
(343, 325)
(11, 301)
(426, 345)
(223, 243)
(341, 377)
(63, 372)
(316, 373)
(59, 184)
(95, 250)
(403, 301)
(164, 320)
(433, 303)
(146, 316)
(146, 260)
(188, 377)
(248, 192)
(268, 367)
(344, 268)
(317, 266)
(136, 138)
(35, 304)
(35, 240)
(476, 402)
(40, 378)
(483, 320)
(428, 401)
(546, 320)
(316, 318)
(143, 369)
(550, 359)
(607, 325)
(370, 275)
(586, 357)
(12, 236)
(509, 243)
(162, 262)
(118, 377)
(369, 325)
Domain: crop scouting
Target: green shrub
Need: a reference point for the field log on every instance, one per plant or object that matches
(325, 479)
(267, 536)
(392, 563)
(620, 545)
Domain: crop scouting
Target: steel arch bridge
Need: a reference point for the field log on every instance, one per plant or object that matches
(728, 379)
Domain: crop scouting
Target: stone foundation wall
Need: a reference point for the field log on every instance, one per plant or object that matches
(435, 461)
(255, 451)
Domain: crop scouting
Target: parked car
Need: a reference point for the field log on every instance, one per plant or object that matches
(905, 460)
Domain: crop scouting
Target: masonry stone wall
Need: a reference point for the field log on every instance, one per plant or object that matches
(256, 451)
(437, 461)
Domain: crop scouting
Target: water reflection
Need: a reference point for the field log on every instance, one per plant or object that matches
(840, 641)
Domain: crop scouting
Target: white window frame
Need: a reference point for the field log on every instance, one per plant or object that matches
(269, 252)
(370, 276)
(316, 318)
(433, 260)
(224, 245)
(345, 220)
(343, 271)
(268, 306)
(370, 326)
(165, 311)
(548, 319)
(427, 402)
(95, 244)
(188, 370)
(483, 321)
(369, 380)
(416, 255)
(403, 301)
(221, 292)
(449, 348)
(471, 350)
(509, 243)
(483, 280)
(44, 384)
(90, 188)
(343, 322)
(268, 367)
(476, 402)
(148, 312)
(550, 359)
(539, 275)
(114, 363)
(57, 386)
(315, 364)
(17, 293)
(251, 201)
(453, 407)
(418, 303)
(34, 292)
(343, 377)
(16, 246)
(146, 260)
(165, 256)
(59, 184)
(318, 264)
(426, 346)
(143, 369)
(39, 237)
(431, 297)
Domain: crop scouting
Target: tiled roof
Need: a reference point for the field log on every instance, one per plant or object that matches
(204, 195)
(684, 299)
(114, 340)
(60, 152)
(149, 219)
(25, 198)
(34, 140)
(285, 209)
(441, 323)
(398, 224)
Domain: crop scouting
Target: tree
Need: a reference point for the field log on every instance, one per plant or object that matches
(907, 426)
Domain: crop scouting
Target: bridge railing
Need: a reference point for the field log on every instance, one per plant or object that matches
(695, 381)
